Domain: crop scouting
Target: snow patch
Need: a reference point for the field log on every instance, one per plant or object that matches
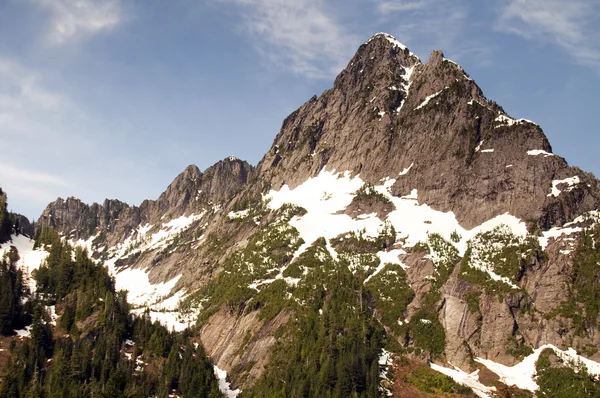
(537, 152)
(429, 98)
(391, 39)
(507, 121)
(571, 182)
(406, 170)
(385, 258)
(22, 333)
(29, 259)
(522, 375)
(224, 385)
(479, 146)
(466, 379)
(327, 195)
(406, 87)
(140, 291)
(385, 362)
(235, 215)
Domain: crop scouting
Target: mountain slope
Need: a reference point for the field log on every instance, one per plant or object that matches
(451, 223)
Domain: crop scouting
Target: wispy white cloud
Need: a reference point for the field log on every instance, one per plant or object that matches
(301, 36)
(75, 19)
(396, 6)
(11, 173)
(570, 24)
(20, 88)
(31, 132)
(434, 24)
(32, 186)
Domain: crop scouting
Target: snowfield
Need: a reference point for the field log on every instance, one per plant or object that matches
(522, 375)
(466, 379)
(328, 194)
(30, 259)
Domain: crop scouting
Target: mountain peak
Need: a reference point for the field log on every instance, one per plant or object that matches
(391, 39)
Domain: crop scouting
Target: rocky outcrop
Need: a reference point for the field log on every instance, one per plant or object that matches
(241, 344)
(190, 193)
(22, 225)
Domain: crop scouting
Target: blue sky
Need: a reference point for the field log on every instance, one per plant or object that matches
(114, 98)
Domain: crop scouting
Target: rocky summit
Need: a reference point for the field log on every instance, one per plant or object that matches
(400, 228)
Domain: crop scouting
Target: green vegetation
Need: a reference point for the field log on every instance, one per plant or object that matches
(331, 348)
(359, 242)
(12, 315)
(557, 380)
(270, 249)
(582, 305)
(444, 256)
(368, 192)
(432, 382)
(517, 348)
(473, 301)
(503, 253)
(427, 333)
(89, 355)
(6, 223)
(392, 295)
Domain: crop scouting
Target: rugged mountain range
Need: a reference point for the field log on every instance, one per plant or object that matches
(492, 257)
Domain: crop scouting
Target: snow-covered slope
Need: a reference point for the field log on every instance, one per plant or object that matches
(30, 259)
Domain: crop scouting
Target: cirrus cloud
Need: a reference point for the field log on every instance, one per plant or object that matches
(571, 25)
(74, 19)
(301, 36)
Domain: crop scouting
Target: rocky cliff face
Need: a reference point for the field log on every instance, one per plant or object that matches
(388, 112)
(416, 146)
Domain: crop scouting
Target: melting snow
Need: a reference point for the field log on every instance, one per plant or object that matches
(389, 38)
(141, 291)
(224, 385)
(536, 152)
(139, 241)
(459, 67)
(385, 361)
(234, 215)
(522, 374)
(406, 87)
(390, 257)
(473, 101)
(326, 196)
(568, 228)
(479, 146)
(30, 259)
(569, 181)
(24, 332)
(406, 170)
(466, 379)
(429, 98)
(505, 120)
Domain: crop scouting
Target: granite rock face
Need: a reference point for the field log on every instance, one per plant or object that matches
(427, 126)
(388, 112)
